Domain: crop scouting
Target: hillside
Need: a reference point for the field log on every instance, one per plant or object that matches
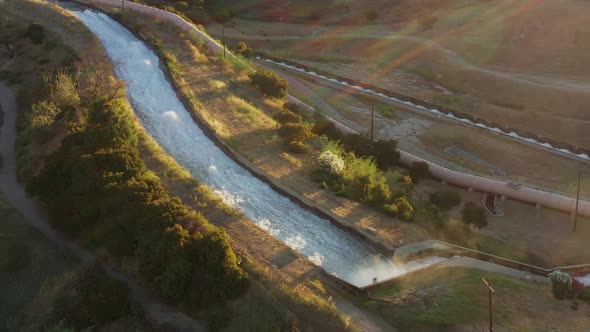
(507, 61)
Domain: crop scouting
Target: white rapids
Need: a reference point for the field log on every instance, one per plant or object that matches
(166, 119)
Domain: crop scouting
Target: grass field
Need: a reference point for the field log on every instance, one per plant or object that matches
(456, 300)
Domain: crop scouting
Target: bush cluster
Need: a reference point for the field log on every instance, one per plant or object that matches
(384, 152)
(98, 189)
(361, 179)
(293, 129)
(401, 207)
(269, 83)
(244, 50)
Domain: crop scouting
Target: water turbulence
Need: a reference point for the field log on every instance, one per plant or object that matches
(166, 119)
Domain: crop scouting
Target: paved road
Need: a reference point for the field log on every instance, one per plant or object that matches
(36, 217)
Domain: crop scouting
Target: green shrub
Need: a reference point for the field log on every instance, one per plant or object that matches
(269, 83)
(298, 110)
(300, 132)
(36, 33)
(445, 199)
(363, 181)
(323, 126)
(42, 115)
(244, 50)
(90, 299)
(401, 208)
(419, 170)
(360, 145)
(561, 284)
(285, 116)
(475, 215)
(386, 153)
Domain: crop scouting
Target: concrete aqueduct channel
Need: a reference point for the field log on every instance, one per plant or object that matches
(163, 115)
(480, 183)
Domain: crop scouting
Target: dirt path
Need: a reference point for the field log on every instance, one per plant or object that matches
(36, 217)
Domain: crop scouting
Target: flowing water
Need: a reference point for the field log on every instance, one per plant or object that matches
(166, 119)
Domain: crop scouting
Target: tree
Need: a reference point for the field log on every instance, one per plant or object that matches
(418, 170)
(269, 84)
(474, 215)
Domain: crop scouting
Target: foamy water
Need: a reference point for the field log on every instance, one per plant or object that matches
(166, 119)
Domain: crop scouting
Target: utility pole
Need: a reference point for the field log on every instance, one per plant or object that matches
(122, 8)
(223, 38)
(372, 120)
(491, 305)
(577, 198)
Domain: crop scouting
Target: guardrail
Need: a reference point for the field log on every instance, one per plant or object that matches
(458, 115)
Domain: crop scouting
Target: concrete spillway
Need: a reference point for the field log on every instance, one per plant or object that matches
(166, 119)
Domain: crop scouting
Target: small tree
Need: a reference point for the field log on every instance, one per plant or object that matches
(474, 215)
(269, 83)
(561, 284)
(418, 170)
